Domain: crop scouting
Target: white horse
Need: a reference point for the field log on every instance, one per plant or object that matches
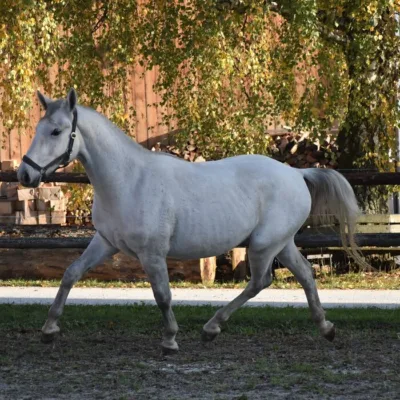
(151, 206)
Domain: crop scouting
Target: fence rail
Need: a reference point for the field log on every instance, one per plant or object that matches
(304, 240)
(66, 177)
(372, 178)
(368, 178)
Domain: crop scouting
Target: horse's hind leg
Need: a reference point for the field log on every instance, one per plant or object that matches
(292, 259)
(97, 251)
(261, 277)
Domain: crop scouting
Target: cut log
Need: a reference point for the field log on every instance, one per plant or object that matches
(239, 264)
(50, 193)
(44, 217)
(22, 218)
(27, 206)
(208, 267)
(58, 217)
(50, 205)
(26, 194)
(50, 264)
(10, 190)
(7, 207)
(9, 165)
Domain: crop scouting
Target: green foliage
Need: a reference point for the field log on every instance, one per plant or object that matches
(228, 69)
(229, 73)
(79, 200)
(28, 46)
(371, 52)
(58, 44)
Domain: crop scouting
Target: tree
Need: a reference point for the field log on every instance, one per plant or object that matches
(228, 69)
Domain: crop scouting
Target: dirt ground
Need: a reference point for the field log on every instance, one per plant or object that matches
(287, 361)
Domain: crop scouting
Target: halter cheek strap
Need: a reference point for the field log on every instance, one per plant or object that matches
(61, 161)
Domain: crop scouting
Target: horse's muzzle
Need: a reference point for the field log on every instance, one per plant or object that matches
(27, 176)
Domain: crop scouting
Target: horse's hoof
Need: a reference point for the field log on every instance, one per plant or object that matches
(170, 350)
(48, 337)
(208, 336)
(330, 334)
(167, 351)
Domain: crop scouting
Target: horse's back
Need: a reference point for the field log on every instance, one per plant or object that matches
(243, 166)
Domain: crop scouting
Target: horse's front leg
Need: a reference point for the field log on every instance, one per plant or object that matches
(97, 251)
(157, 271)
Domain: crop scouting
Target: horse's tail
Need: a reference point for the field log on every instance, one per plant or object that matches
(332, 196)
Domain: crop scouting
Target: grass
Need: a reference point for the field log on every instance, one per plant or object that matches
(112, 352)
(284, 280)
(146, 320)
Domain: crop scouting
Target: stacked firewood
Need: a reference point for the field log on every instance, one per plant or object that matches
(303, 153)
(189, 153)
(42, 205)
(289, 148)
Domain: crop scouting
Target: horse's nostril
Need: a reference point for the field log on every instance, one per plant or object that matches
(25, 177)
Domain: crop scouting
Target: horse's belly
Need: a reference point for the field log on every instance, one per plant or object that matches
(210, 236)
(192, 249)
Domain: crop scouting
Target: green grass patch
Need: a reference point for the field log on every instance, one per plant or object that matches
(146, 319)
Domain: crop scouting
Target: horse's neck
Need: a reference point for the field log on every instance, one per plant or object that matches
(106, 152)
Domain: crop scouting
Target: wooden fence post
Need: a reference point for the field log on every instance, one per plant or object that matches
(208, 267)
(239, 264)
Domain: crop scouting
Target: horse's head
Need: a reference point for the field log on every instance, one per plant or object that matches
(55, 142)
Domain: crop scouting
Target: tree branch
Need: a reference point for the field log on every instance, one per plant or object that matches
(326, 34)
(101, 19)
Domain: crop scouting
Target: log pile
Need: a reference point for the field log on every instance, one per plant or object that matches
(43, 205)
(189, 153)
(290, 148)
(300, 152)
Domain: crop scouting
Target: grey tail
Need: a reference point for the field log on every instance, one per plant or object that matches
(332, 196)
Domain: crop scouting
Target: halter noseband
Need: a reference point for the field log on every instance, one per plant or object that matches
(61, 161)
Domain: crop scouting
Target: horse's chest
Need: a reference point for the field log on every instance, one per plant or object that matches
(129, 242)
(134, 230)
(120, 233)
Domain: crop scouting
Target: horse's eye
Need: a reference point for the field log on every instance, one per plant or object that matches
(56, 132)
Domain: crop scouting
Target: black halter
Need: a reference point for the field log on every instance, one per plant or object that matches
(61, 161)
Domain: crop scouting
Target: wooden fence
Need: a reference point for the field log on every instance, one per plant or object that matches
(17, 248)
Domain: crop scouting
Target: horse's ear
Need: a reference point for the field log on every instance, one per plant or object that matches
(44, 101)
(72, 99)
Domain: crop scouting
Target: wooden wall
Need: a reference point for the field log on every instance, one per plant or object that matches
(139, 95)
